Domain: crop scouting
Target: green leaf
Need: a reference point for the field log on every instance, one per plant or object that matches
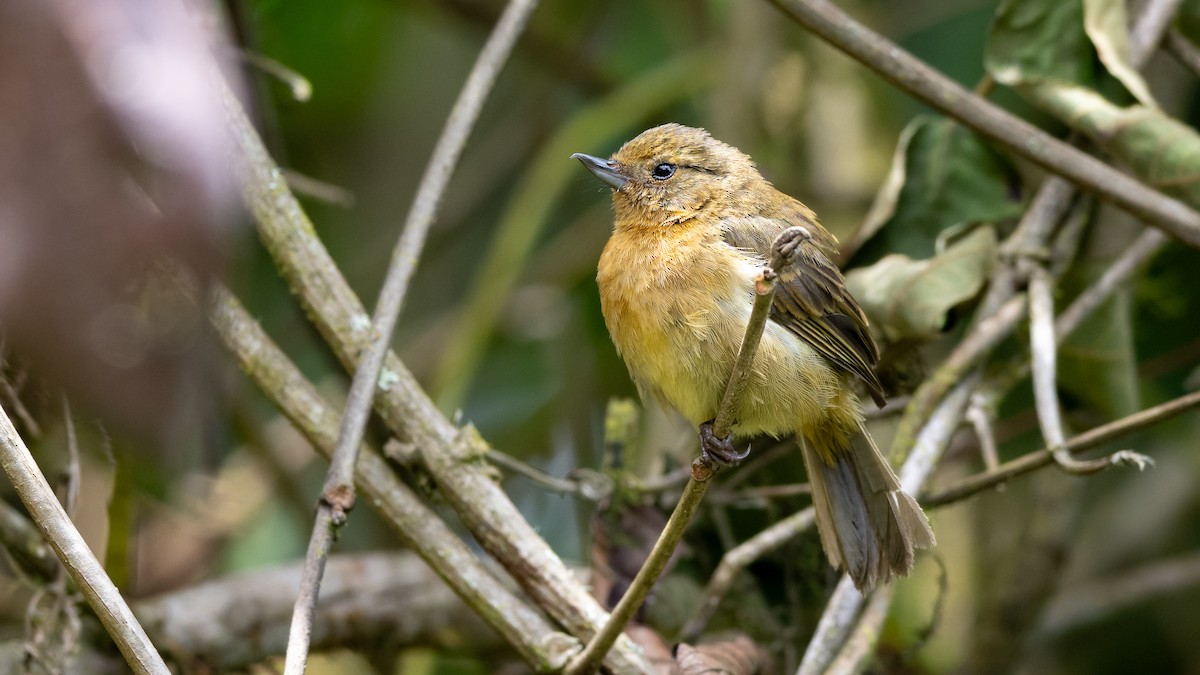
(942, 176)
(911, 299)
(1039, 40)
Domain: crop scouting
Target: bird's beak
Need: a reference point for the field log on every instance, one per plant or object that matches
(603, 169)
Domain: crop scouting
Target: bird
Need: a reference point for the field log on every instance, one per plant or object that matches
(694, 222)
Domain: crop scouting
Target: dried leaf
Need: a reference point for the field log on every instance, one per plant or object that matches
(736, 656)
(912, 299)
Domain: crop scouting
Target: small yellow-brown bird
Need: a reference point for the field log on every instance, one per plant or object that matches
(695, 222)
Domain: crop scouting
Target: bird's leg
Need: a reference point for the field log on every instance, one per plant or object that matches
(719, 450)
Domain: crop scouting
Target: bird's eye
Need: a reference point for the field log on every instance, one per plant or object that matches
(663, 171)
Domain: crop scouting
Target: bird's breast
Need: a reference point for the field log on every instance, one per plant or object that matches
(676, 307)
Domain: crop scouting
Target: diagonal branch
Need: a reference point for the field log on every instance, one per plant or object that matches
(450, 454)
(74, 553)
(422, 529)
(916, 78)
(337, 496)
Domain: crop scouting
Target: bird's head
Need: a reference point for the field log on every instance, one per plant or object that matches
(672, 174)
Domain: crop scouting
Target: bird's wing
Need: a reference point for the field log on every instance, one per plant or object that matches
(811, 299)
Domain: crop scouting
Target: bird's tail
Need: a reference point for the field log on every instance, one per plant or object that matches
(866, 522)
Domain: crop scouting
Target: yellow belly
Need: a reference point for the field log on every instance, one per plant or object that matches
(677, 312)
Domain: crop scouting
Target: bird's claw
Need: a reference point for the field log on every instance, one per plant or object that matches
(719, 451)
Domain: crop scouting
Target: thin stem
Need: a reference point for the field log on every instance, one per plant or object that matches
(73, 551)
(1146, 246)
(1184, 51)
(337, 496)
(856, 653)
(918, 79)
(782, 251)
(1087, 440)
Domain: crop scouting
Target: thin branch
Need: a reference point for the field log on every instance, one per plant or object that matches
(1184, 51)
(589, 484)
(337, 496)
(1087, 440)
(855, 655)
(1045, 388)
(74, 553)
(977, 415)
(739, 558)
(1145, 247)
(421, 528)
(782, 251)
(918, 79)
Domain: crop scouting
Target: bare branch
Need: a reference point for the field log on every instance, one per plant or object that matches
(1087, 440)
(74, 553)
(337, 496)
(1137, 254)
(918, 79)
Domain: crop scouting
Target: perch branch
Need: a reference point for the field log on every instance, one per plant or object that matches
(782, 251)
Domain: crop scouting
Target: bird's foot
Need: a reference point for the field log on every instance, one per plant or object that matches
(719, 450)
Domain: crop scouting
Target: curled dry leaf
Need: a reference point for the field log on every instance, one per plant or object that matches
(912, 299)
(112, 161)
(735, 656)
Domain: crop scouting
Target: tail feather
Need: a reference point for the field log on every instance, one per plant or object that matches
(866, 522)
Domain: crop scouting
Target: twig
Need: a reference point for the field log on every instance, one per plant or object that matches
(589, 484)
(1141, 250)
(422, 529)
(739, 558)
(855, 655)
(72, 486)
(782, 250)
(337, 496)
(74, 553)
(1035, 460)
(918, 79)
(1044, 347)
(1183, 50)
(977, 415)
